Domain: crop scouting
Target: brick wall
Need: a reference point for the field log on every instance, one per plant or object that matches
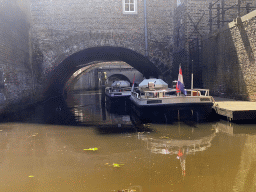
(33, 43)
(16, 71)
(191, 25)
(61, 28)
(229, 60)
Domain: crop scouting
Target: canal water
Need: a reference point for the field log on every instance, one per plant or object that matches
(43, 149)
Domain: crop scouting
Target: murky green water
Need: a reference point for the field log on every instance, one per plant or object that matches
(110, 155)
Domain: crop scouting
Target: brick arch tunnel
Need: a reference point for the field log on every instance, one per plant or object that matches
(60, 75)
(117, 77)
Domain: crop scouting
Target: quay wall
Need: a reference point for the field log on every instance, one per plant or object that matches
(193, 21)
(229, 68)
(16, 68)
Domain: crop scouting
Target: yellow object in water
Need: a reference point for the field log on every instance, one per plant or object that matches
(117, 165)
(91, 149)
(30, 176)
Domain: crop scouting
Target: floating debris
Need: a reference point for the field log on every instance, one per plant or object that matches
(114, 164)
(117, 165)
(91, 149)
(164, 137)
(31, 176)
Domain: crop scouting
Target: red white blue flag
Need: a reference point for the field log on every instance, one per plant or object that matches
(180, 84)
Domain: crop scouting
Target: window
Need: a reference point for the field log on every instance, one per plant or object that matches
(129, 6)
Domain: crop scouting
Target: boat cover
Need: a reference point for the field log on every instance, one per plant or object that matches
(121, 84)
(157, 84)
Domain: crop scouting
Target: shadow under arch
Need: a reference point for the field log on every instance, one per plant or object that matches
(61, 73)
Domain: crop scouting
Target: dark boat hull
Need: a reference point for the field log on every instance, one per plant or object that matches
(119, 105)
(163, 113)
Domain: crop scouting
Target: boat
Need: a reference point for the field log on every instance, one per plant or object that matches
(154, 101)
(117, 95)
(118, 89)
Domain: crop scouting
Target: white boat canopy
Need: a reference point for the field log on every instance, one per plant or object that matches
(121, 84)
(153, 84)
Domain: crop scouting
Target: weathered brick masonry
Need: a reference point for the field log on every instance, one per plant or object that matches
(16, 69)
(36, 36)
(192, 24)
(229, 59)
(63, 27)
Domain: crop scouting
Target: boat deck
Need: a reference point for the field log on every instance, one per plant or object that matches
(235, 110)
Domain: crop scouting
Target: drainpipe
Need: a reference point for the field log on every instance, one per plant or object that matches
(146, 28)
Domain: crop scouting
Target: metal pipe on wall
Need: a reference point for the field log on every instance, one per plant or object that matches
(146, 28)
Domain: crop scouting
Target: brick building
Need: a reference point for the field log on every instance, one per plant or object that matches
(229, 68)
(196, 19)
(38, 37)
(62, 28)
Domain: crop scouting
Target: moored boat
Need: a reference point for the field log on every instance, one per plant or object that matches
(153, 101)
(118, 89)
(117, 95)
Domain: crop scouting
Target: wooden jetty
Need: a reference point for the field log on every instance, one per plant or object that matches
(235, 110)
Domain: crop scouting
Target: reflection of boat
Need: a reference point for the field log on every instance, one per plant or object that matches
(180, 147)
(119, 107)
(170, 141)
(182, 157)
(172, 146)
(152, 99)
(117, 97)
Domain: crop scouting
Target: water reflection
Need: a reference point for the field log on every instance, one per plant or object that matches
(217, 156)
(177, 140)
(53, 110)
(90, 109)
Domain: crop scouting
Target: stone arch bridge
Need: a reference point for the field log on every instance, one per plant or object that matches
(44, 42)
(59, 75)
(128, 74)
(66, 35)
(96, 75)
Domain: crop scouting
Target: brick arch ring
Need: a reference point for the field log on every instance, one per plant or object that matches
(57, 79)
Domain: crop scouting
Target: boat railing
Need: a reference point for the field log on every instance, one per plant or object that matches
(153, 94)
(136, 94)
(197, 92)
(117, 89)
